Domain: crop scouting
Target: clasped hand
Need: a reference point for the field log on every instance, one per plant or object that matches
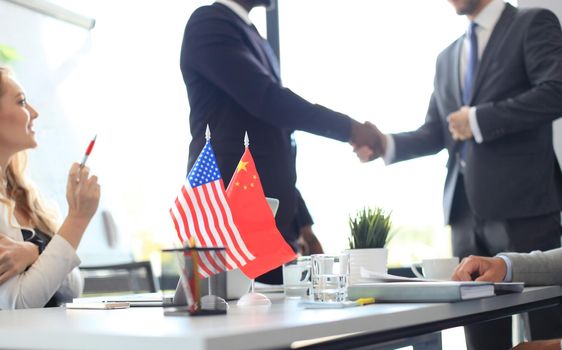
(459, 124)
(367, 141)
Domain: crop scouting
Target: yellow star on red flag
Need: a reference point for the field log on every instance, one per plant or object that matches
(242, 166)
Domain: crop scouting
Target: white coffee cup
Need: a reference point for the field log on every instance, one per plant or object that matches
(436, 269)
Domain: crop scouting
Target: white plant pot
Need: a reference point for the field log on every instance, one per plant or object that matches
(371, 259)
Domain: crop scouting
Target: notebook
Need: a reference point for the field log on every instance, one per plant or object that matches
(421, 292)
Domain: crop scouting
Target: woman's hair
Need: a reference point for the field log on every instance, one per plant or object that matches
(18, 192)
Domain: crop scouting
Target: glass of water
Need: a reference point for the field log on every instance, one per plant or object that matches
(330, 274)
(296, 278)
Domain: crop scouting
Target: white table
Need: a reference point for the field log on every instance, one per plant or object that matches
(274, 328)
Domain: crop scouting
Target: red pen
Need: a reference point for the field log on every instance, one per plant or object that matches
(88, 151)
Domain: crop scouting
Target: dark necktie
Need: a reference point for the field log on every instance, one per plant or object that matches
(471, 64)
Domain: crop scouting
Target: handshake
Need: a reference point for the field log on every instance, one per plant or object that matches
(369, 143)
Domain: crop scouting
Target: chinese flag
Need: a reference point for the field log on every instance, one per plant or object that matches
(254, 219)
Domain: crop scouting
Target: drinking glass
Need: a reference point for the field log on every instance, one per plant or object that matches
(330, 274)
(296, 277)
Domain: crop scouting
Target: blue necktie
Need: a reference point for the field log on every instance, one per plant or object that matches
(471, 64)
(469, 74)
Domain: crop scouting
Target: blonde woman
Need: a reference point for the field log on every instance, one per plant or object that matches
(38, 261)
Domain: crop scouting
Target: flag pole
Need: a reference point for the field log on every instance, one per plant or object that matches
(252, 299)
(208, 134)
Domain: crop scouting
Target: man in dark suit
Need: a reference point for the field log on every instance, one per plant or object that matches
(233, 85)
(497, 90)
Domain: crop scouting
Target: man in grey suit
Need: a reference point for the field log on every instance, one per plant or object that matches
(497, 90)
(536, 268)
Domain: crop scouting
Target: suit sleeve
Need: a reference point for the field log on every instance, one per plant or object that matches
(537, 268)
(303, 215)
(214, 48)
(542, 49)
(426, 140)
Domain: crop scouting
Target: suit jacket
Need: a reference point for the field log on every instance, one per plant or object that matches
(537, 268)
(233, 85)
(513, 173)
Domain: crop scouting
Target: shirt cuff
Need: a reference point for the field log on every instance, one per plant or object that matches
(509, 271)
(474, 125)
(390, 150)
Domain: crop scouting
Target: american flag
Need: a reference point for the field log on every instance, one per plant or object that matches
(201, 214)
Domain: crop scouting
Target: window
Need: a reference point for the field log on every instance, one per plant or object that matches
(373, 60)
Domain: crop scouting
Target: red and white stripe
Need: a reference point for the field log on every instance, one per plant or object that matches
(202, 214)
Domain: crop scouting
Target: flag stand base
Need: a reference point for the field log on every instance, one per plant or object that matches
(253, 299)
(213, 302)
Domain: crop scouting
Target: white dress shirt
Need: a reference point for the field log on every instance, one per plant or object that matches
(508, 268)
(237, 9)
(486, 20)
(56, 269)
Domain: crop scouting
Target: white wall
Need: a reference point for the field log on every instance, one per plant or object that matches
(122, 81)
(556, 7)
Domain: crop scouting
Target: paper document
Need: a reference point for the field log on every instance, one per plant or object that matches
(97, 306)
(371, 276)
(311, 304)
(134, 300)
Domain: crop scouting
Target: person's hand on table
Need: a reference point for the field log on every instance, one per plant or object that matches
(479, 268)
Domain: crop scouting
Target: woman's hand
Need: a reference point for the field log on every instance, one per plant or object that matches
(82, 193)
(83, 197)
(15, 257)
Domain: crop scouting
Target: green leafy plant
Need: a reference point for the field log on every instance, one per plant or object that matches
(8, 54)
(369, 229)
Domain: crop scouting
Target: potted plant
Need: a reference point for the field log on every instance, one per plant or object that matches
(8, 54)
(370, 232)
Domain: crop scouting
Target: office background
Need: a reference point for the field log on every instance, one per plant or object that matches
(373, 60)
